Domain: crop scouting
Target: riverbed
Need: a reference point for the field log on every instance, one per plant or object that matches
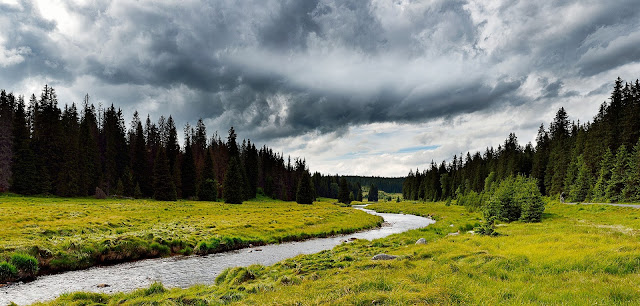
(186, 271)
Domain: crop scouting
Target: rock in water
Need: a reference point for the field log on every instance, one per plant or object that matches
(384, 257)
(421, 241)
(103, 286)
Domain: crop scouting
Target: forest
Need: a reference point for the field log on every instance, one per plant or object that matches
(597, 161)
(82, 152)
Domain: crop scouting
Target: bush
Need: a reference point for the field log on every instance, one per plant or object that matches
(7, 271)
(26, 264)
(516, 199)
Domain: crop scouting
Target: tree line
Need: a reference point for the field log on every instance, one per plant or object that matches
(592, 161)
(80, 152)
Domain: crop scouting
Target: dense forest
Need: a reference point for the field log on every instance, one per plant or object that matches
(594, 161)
(71, 152)
(387, 184)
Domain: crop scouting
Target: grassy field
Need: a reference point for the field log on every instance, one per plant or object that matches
(66, 234)
(579, 254)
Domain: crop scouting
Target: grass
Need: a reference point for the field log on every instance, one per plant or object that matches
(578, 255)
(67, 234)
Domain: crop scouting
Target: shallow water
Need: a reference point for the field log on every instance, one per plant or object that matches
(185, 271)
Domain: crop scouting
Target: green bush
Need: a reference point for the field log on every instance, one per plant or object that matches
(26, 264)
(7, 271)
(516, 199)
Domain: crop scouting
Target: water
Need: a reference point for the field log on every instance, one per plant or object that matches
(185, 271)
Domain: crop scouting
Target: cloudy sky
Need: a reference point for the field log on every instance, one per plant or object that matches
(357, 87)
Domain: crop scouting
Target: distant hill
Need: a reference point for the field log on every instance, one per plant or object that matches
(387, 184)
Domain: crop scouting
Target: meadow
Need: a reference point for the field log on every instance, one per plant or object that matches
(72, 233)
(579, 254)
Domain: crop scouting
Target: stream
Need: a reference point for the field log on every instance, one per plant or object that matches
(186, 271)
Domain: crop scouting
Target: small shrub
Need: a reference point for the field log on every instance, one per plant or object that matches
(7, 271)
(26, 264)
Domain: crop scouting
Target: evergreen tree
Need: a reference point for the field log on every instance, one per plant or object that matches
(606, 165)
(233, 181)
(68, 176)
(7, 105)
(208, 191)
(89, 166)
(25, 179)
(163, 188)
(373, 193)
(304, 193)
(359, 192)
(631, 190)
(343, 192)
(618, 174)
(188, 171)
(579, 190)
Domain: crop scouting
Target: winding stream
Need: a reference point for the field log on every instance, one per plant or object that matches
(185, 271)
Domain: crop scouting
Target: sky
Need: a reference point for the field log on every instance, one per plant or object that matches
(359, 87)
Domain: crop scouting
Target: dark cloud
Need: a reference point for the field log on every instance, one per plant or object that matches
(282, 68)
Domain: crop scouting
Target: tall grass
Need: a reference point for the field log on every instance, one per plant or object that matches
(577, 255)
(67, 234)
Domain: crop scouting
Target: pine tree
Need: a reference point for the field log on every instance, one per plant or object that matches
(631, 190)
(233, 189)
(579, 190)
(89, 166)
(606, 165)
(618, 173)
(304, 193)
(359, 192)
(188, 171)
(234, 182)
(208, 190)
(26, 179)
(163, 188)
(7, 105)
(373, 193)
(343, 192)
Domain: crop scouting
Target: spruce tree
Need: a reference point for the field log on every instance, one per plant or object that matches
(579, 190)
(618, 174)
(631, 190)
(359, 192)
(343, 192)
(6, 138)
(188, 171)
(606, 165)
(208, 190)
(26, 179)
(163, 188)
(373, 193)
(304, 193)
(234, 187)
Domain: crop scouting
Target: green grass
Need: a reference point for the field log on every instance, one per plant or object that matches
(66, 234)
(578, 255)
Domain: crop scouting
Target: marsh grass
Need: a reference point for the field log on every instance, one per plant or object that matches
(578, 255)
(68, 234)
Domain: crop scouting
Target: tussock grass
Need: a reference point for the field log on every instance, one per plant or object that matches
(578, 255)
(67, 234)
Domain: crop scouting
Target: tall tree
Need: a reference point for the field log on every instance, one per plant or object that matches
(7, 105)
(233, 181)
(163, 187)
(373, 193)
(343, 192)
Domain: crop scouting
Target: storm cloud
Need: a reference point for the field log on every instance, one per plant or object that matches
(285, 70)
